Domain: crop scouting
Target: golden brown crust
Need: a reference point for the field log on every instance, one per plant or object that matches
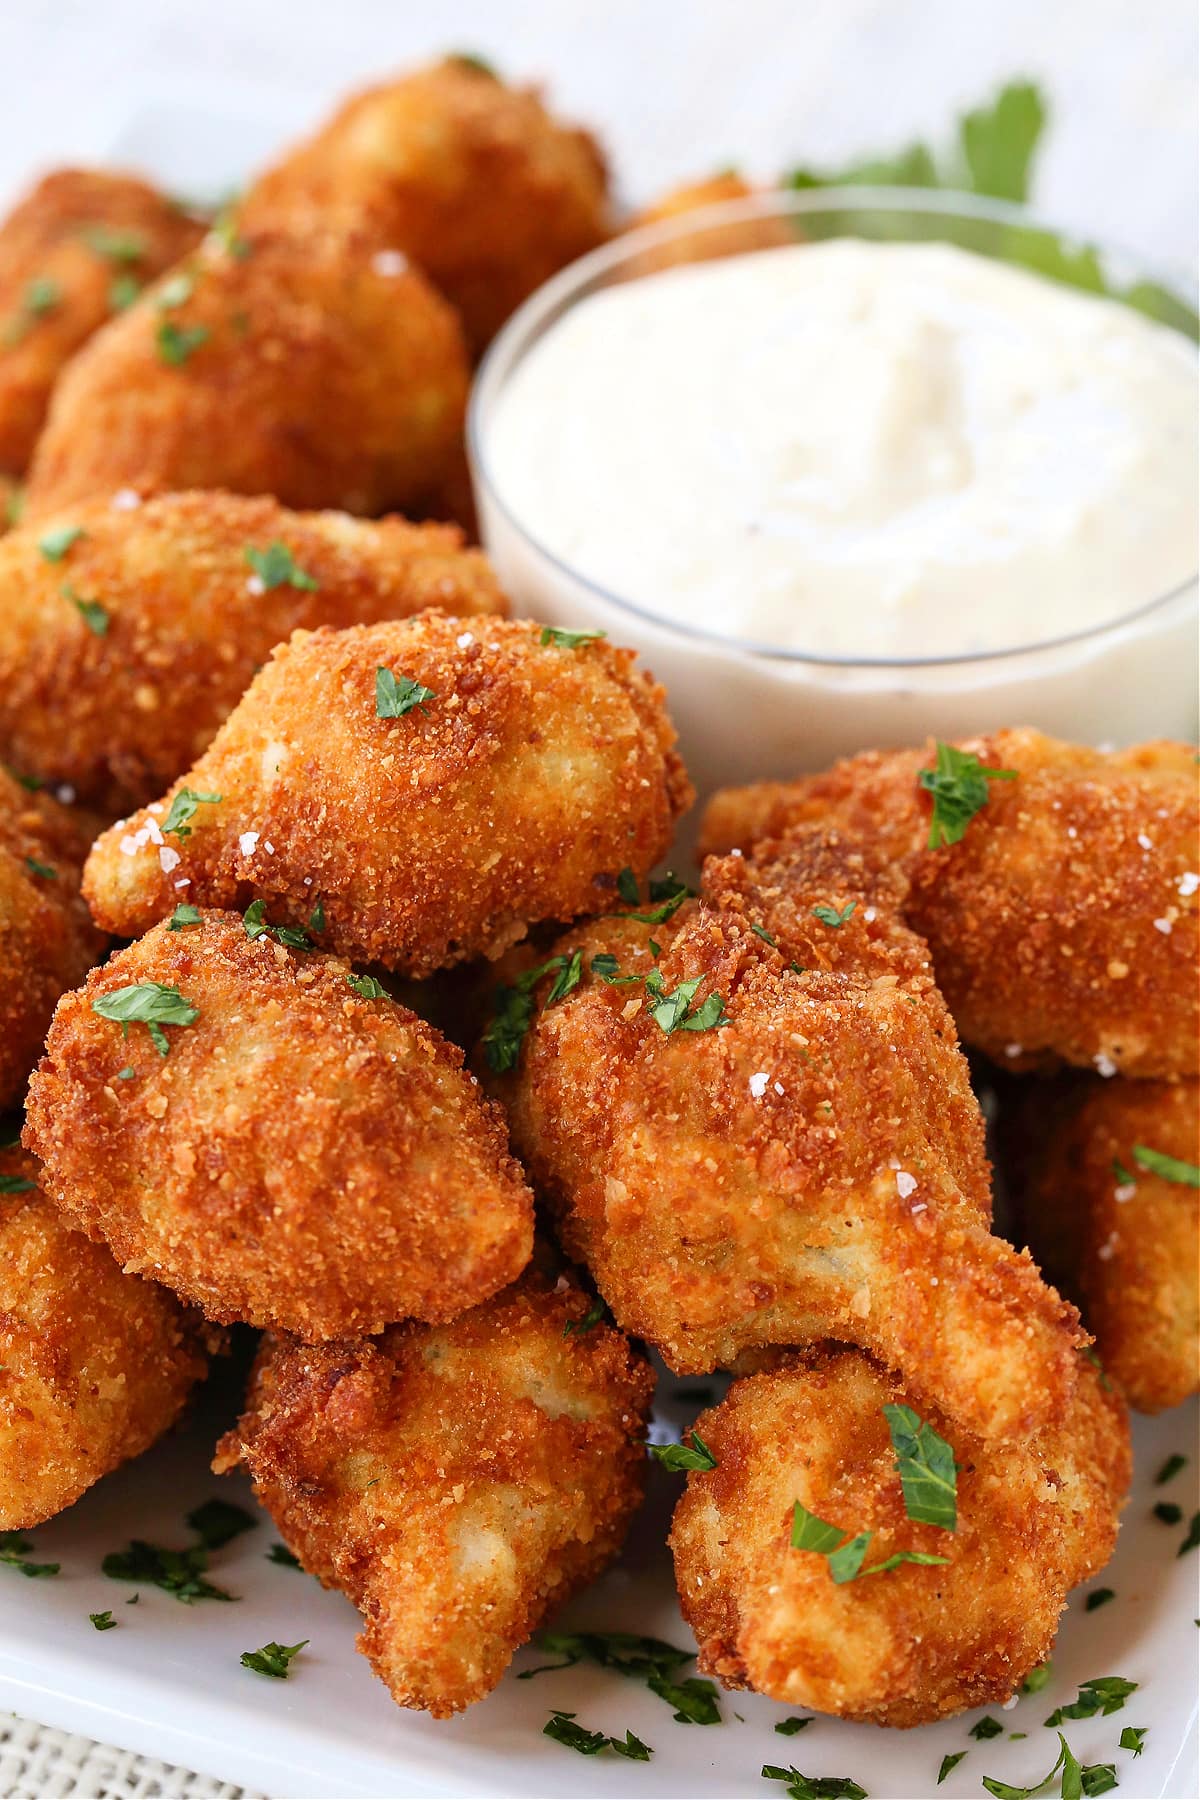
(915, 1643)
(303, 1158)
(1064, 926)
(457, 1483)
(473, 179)
(71, 252)
(47, 940)
(1116, 1236)
(322, 380)
(713, 241)
(516, 794)
(188, 623)
(812, 1168)
(94, 1365)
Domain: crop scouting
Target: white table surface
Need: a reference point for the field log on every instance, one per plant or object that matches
(676, 87)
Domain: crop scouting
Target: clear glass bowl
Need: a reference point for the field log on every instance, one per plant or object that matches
(745, 710)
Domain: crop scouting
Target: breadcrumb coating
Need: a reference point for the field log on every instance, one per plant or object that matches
(458, 1482)
(1118, 1236)
(47, 940)
(188, 619)
(74, 251)
(811, 1167)
(471, 178)
(94, 1365)
(516, 790)
(915, 1643)
(1064, 925)
(265, 364)
(712, 241)
(303, 1158)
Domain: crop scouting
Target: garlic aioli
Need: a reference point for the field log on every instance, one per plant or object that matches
(858, 450)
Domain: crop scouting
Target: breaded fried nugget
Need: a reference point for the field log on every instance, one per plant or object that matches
(1063, 926)
(300, 1152)
(194, 592)
(762, 1133)
(458, 1483)
(298, 366)
(912, 1643)
(74, 251)
(47, 941)
(473, 179)
(1104, 1182)
(710, 241)
(94, 1364)
(439, 788)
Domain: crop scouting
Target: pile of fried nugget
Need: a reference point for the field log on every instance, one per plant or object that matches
(735, 1126)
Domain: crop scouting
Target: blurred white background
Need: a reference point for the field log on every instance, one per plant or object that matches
(674, 86)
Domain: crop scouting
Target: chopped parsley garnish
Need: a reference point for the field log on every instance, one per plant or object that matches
(14, 1552)
(123, 290)
(16, 1184)
(959, 785)
(925, 1465)
(562, 1728)
(1038, 1678)
(762, 932)
(845, 1553)
(367, 988)
(814, 1787)
(226, 233)
(593, 1316)
(829, 915)
(949, 1762)
(396, 695)
(789, 1727)
(40, 868)
(254, 923)
(114, 246)
(149, 1003)
(674, 1012)
(513, 1008)
(127, 1073)
(985, 1728)
(42, 296)
(276, 567)
(683, 1456)
(1192, 1540)
(184, 917)
(316, 918)
(1170, 1469)
(607, 969)
(183, 810)
(1088, 1352)
(93, 614)
(273, 1659)
(55, 544)
(103, 1621)
(641, 1659)
(175, 343)
(666, 897)
(1133, 1738)
(217, 1522)
(694, 1699)
(1170, 1168)
(180, 1573)
(1168, 1513)
(627, 887)
(1096, 1778)
(1097, 1598)
(469, 59)
(279, 1553)
(568, 640)
(1104, 1694)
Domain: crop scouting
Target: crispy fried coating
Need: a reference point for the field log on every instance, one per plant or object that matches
(94, 1365)
(73, 252)
(121, 713)
(915, 1643)
(1064, 925)
(298, 366)
(458, 1483)
(711, 241)
(1119, 1237)
(303, 1158)
(47, 940)
(811, 1168)
(474, 180)
(515, 787)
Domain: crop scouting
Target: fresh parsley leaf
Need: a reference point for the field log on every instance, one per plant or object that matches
(114, 246)
(631, 1747)
(127, 1073)
(1192, 1540)
(1170, 1469)
(40, 868)
(180, 1573)
(103, 1621)
(1038, 1678)
(55, 544)
(14, 1552)
(829, 915)
(567, 978)
(568, 640)
(683, 1456)
(316, 918)
(184, 917)
(627, 887)
(694, 1699)
(175, 343)
(94, 616)
(1133, 1738)
(123, 290)
(987, 1727)
(811, 1533)
(1170, 1168)
(1065, 1761)
(1097, 1598)
(254, 924)
(948, 1763)
(999, 141)
(367, 988)
(397, 695)
(846, 1558)
(42, 296)
(562, 1728)
(217, 1522)
(674, 1012)
(469, 59)
(607, 969)
(925, 1465)
(1104, 1694)
(1096, 1778)
(16, 1184)
(512, 1008)
(789, 1727)
(640, 1659)
(279, 1553)
(814, 1787)
(1168, 1513)
(273, 1659)
(276, 567)
(150, 1003)
(959, 785)
(593, 1316)
(183, 810)
(762, 932)
(666, 897)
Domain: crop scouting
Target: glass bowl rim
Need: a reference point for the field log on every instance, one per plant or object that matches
(540, 310)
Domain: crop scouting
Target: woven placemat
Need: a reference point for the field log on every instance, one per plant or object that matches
(37, 1763)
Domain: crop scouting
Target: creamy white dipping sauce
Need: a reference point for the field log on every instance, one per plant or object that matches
(858, 450)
